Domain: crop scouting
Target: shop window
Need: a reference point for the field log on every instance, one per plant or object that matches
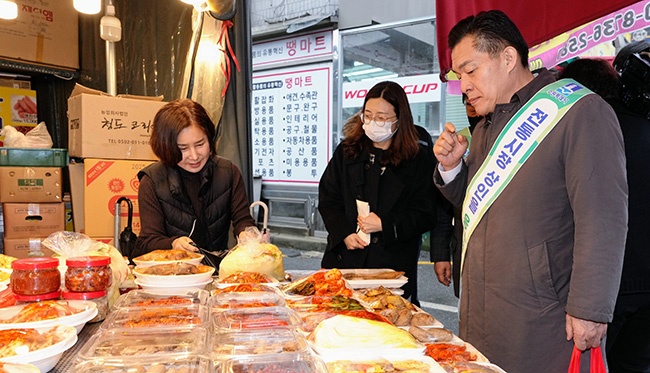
(405, 53)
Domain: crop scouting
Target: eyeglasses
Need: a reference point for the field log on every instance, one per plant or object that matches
(380, 119)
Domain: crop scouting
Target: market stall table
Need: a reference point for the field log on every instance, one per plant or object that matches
(69, 358)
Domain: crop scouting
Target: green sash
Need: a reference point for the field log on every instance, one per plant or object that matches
(516, 142)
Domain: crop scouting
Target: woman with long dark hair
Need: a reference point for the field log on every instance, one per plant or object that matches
(380, 162)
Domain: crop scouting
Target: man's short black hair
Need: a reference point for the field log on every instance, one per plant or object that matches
(493, 32)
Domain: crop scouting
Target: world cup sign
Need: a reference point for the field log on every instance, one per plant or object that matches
(421, 88)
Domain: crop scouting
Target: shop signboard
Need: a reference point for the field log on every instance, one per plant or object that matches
(581, 39)
(291, 120)
(419, 89)
(292, 49)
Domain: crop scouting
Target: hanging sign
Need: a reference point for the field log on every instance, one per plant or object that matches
(577, 41)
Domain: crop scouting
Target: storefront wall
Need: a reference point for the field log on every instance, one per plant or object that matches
(306, 83)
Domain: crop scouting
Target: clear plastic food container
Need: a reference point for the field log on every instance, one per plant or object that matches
(150, 298)
(100, 298)
(88, 273)
(222, 301)
(249, 319)
(35, 276)
(244, 288)
(157, 364)
(260, 342)
(317, 303)
(194, 315)
(277, 363)
(140, 343)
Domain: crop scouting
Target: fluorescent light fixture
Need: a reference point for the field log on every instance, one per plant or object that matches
(364, 72)
(8, 9)
(88, 6)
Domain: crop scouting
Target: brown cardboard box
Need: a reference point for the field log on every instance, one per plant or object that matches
(45, 32)
(30, 184)
(103, 126)
(22, 83)
(106, 240)
(104, 181)
(18, 109)
(25, 220)
(26, 247)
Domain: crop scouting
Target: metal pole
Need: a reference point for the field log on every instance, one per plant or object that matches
(110, 30)
(111, 81)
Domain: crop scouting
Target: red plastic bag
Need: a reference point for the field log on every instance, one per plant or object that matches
(597, 363)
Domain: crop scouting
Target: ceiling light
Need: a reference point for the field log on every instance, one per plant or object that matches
(199, 5)
(88, 6)
(8, 9)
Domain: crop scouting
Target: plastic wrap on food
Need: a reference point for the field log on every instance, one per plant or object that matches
(147, 298)
(157, 317)
(144, 343)
(275, 341)
(252, 254)
(249, 319)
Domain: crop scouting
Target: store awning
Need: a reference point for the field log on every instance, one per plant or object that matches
(538, 22)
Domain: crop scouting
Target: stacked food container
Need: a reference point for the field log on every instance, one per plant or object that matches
(89, 278)
(250, 322)
(256, 331)
(151, 332)
(189, 331)
(40, 327)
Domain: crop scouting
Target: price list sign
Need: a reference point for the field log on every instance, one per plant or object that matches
(291, 123)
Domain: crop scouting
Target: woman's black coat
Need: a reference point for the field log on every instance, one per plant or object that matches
(405, 202)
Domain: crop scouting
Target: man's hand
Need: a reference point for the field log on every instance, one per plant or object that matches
(585, 334)
(450, 147)
(353, 242)
(443, 272)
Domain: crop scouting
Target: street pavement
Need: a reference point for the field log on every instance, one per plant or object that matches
(436, 299)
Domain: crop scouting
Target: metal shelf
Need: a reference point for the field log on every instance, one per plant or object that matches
(31, 69)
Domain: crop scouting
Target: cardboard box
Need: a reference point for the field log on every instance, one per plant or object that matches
(26, 220)
(45, 32)
(103, 126)
(106, 240)
(103, 182)
(26, 247)
(30, 184)
(18, 109)
(6, 81)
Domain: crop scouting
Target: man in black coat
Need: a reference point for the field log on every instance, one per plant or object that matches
(628, 335)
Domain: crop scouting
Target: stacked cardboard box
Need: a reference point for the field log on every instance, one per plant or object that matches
(112, 135)
(96, 184)
(32, 208)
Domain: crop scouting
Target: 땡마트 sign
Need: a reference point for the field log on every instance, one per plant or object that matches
(293, 48)
(420, 88)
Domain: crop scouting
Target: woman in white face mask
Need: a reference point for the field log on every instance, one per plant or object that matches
(380, 162)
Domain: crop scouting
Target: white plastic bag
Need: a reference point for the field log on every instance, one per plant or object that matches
(253, 254)
(37, 137)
